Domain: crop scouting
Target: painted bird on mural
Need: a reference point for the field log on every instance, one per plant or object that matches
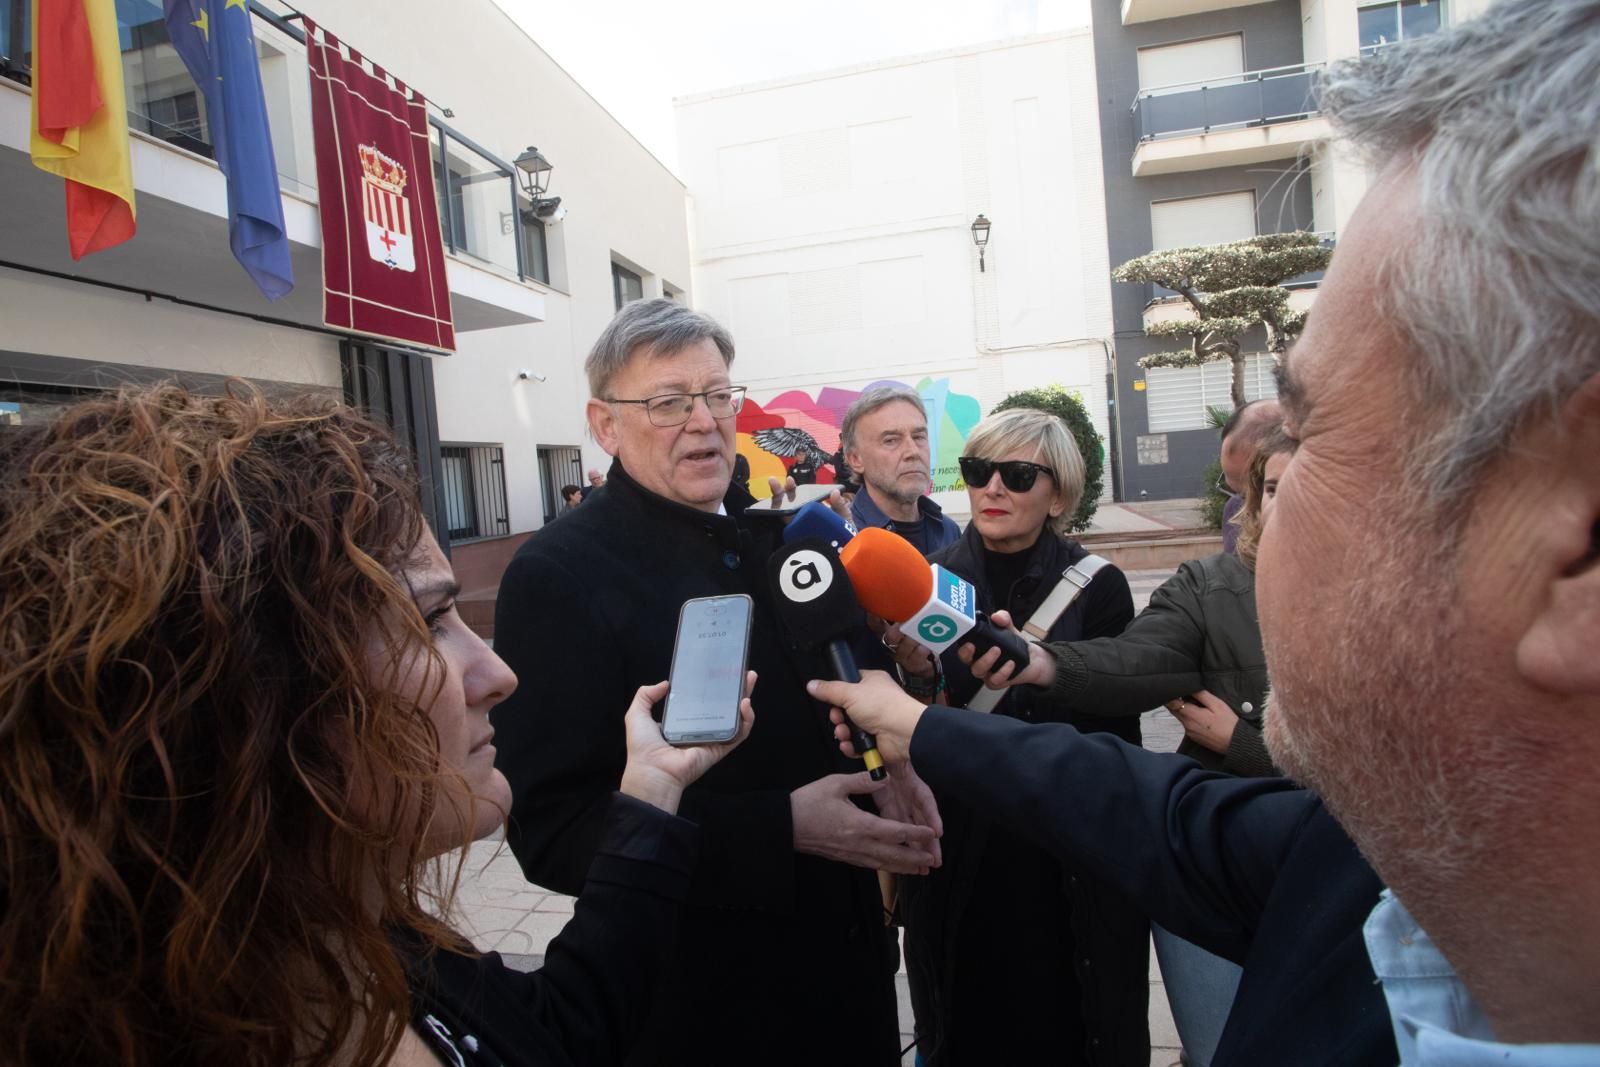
(786, 442)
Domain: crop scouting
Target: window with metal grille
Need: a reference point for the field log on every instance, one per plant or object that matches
(474, 481)
(1177, 397)
(558, 465)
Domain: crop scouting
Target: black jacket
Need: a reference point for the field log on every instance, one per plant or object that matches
(585, 1004)
(1012, 955)
(1199, 632)
(1254, 870)
(785, 957)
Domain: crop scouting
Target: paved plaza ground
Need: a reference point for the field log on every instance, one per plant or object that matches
(502, 912)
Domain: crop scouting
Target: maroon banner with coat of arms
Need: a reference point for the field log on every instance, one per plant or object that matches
(383, 266)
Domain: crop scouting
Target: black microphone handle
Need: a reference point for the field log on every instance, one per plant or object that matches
(986, 635)
(842, 662)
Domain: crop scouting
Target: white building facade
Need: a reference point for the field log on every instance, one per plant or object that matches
(499, 424)
(831, 221)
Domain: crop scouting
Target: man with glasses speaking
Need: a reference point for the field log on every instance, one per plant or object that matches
(784, 954)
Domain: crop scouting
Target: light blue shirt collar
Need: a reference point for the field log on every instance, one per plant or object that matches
(1436, 1021)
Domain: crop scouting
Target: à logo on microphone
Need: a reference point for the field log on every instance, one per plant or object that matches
(805, 576)
(936, 629)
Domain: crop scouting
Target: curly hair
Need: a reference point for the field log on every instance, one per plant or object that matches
(194, 738)
(1250, 519)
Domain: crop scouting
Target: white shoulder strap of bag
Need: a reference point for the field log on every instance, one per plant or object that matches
(1074, 580)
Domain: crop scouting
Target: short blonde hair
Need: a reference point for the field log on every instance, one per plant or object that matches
(1023, 428)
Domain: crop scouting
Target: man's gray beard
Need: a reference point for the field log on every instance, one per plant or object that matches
(894, 492)
(1382, 724)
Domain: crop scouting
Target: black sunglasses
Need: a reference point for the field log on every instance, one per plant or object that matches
(1017, 475)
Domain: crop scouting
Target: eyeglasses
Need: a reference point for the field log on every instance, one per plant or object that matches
(1017, 475)
(674, 409)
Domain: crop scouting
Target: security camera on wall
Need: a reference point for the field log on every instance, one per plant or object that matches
(558, 215)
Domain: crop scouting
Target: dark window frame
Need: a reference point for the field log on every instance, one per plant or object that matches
(536, 248)
(620, 276)
(1398, 7)
(472, 484)
(558, 465)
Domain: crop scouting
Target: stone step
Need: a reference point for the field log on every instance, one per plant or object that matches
(1160, 553)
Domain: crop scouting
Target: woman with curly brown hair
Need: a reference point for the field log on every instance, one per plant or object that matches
(244, 740)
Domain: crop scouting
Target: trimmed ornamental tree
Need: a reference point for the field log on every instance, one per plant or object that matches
(1057, 401)
(1230, 288)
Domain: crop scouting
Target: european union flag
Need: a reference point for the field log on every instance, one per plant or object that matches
(218, 45)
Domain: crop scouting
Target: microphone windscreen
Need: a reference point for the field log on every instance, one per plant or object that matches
(891, 578)
(812, 593)
(818, 520)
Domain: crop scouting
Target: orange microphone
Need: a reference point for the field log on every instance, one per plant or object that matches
(931, 605)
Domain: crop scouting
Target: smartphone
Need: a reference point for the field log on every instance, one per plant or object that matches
(784, 504)
(708, 665)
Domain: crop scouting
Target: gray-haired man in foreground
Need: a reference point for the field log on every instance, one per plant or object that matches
(1429, 590)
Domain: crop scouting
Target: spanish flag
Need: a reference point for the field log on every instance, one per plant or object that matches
(80, 122)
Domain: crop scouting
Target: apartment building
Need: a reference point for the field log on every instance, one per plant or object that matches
(1210, 133)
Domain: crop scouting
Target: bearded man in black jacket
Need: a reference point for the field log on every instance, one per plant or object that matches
(785, 956)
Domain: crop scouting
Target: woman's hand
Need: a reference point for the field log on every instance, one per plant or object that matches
(658, 773)
(1207, 721)
(1040, 671)
(878, 705)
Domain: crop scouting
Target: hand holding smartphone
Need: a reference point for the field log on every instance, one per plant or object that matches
(784, 505)
(708, 669)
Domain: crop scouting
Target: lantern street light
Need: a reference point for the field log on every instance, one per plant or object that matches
(980, 237)
(535, 171)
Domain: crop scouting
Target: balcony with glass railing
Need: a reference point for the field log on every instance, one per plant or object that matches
(1221, 122)
(479, 205)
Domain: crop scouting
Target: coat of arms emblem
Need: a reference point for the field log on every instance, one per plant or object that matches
(383, 188)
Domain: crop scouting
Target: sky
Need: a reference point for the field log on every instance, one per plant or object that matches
(634, 56)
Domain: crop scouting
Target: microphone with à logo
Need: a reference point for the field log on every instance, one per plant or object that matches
(815, 602)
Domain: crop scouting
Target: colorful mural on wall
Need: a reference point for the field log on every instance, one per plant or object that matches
(797, 434)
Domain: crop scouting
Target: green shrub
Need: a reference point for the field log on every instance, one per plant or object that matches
(1213, 499)
(1059, 402)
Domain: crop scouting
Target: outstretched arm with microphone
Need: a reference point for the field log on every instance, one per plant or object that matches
(1198, 851)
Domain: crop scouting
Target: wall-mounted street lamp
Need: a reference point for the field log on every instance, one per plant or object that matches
(535, 171)
(980, 237)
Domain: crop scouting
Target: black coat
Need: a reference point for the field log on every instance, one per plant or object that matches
(1014, 956)
(584, 1006)
(1252, 869)
(785, 957)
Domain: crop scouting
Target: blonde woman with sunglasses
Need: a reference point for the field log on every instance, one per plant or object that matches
(1013, 957)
